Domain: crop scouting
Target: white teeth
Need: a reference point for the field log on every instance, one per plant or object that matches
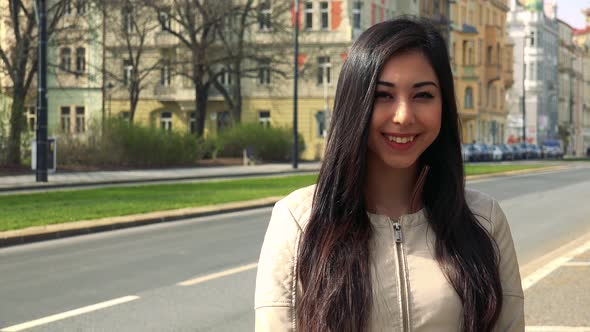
(401, 140)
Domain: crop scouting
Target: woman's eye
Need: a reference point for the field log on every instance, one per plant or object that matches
(383, 95)
(426, 95)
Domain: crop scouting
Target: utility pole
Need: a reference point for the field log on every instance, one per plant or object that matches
(42, 148)
(295, 79)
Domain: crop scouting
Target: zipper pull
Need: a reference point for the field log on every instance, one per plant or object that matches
(397, 230)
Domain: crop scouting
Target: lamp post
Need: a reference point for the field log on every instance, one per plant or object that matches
(42, 144)
(295, 79)
(109, 87)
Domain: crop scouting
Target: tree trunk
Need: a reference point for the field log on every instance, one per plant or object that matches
(133, 100)
(201, 92)
(237, 93)
(17, 124)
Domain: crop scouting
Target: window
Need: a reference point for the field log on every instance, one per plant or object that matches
(164, 18)
(264, 72)
(320, 117)
(532, 38)
(80, 7)
(68, 7)
(31, 117)
(80, 60)
(356, 14)
(264, 118)
(264, 13)
(125, 116)
(324, 68)
(468, 98)
(489, 55)
(166, 121)
(66, 59)
(192, 122)
(165, 77)
(127, 72)
(128, 22)
(225, 78)
(308, 16)
(65, 119)
(223, 120)
(80, 121)
(324, 15)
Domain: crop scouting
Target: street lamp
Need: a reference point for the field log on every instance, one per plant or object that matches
(295, 79)
(109, 87)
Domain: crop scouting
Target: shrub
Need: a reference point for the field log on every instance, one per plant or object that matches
(128, 145)
(269, 143)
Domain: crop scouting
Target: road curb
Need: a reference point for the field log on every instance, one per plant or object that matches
(50, 232)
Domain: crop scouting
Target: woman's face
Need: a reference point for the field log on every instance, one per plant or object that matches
(406, 111)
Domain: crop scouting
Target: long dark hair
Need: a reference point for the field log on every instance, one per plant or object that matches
(333, 256)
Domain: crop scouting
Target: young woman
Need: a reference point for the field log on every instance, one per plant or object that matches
(389, 239)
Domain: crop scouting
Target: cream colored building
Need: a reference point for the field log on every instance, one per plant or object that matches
(581, 130)
(482, 60)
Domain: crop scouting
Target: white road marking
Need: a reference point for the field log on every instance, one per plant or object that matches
(544, 271)
(557, 329)
(68, 314)
(218, 275)
(577, 264)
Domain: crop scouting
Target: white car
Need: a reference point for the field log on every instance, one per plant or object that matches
(497, 153)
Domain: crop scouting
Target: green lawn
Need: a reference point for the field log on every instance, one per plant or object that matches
(490, 169)
(25, 210)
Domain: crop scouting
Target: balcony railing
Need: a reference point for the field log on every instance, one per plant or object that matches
(165, 39)
(469, 72)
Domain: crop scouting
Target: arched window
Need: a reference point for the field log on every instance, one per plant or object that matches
(468, 97)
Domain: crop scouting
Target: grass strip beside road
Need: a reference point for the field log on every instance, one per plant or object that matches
(38, 209)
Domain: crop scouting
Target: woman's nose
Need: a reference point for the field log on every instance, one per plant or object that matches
(404, 114)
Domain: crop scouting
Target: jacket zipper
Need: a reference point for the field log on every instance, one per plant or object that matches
(403, 286)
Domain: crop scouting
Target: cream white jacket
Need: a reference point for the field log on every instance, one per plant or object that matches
(410, 292)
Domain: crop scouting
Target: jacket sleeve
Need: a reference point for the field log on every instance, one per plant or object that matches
(275, 278)
(512, 314)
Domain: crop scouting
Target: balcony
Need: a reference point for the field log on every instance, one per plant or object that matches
(165, 39)
(493, 72)
(469, 73)
(165, 93)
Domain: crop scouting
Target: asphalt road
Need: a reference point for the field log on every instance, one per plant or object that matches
(147, 263)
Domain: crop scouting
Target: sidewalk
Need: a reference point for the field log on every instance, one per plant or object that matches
(78, 179)
(557, 294)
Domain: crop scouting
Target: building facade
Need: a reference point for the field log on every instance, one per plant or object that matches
(581, 119)
(481, 57)
(533, 27)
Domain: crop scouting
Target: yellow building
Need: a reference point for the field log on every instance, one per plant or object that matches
(328, 28)
(482, 66)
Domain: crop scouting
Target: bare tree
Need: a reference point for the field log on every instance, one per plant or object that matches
(18, 59)
(247, 54)
(128, 26)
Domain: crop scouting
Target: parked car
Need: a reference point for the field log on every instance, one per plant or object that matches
(484, 152)
(497, 153)
(552, 149)
(518, 152)
(535, 151)
(507, 152)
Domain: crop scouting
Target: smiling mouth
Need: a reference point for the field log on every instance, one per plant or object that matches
(400, 139)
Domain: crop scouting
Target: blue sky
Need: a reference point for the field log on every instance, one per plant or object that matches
(569, 11)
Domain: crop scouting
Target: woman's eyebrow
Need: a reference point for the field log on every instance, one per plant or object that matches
(421, 84)
(416, 85)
